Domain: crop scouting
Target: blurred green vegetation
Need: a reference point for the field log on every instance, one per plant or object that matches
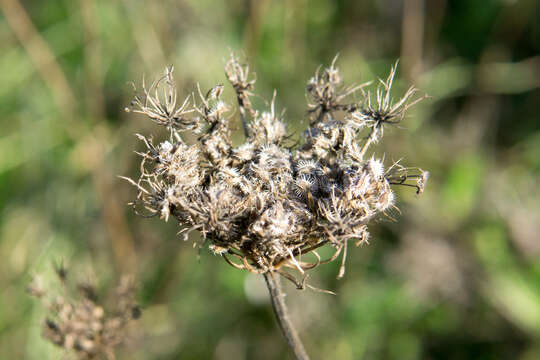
(456, 277)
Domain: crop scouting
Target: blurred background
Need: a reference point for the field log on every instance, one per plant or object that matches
(456, 277)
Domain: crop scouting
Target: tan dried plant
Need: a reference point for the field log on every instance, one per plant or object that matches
(267, 204)
(84, 324)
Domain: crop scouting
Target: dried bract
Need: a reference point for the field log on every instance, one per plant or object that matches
(264, 205)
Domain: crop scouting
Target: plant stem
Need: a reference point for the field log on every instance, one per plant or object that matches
(282, 316)
(368, 142)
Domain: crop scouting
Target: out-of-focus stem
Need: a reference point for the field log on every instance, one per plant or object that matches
(41, 55)
(282, 316)
(412, 40)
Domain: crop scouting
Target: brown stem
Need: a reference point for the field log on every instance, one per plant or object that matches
(282, 316)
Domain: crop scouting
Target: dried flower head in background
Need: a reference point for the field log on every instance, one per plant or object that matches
(267, 204)
(79, 321)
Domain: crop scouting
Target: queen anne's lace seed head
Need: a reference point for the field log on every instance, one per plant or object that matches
(265, 205)
(86, 325)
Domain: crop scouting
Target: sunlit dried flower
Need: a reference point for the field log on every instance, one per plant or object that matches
(265, 205)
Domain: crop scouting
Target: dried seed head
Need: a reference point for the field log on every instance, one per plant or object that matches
(82, 325)
(262, 205)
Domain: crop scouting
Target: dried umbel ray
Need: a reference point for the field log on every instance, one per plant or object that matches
(266, 204)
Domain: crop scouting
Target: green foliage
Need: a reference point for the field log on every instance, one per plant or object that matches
(457, 277)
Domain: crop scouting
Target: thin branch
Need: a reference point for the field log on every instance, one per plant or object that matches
(371, 138)
(282, 316)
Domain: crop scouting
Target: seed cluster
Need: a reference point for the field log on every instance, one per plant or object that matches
(81, 323)
(266, 204)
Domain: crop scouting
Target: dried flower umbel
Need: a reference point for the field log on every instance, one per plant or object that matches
(262, 205)
(266, 204)
(81, 323)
